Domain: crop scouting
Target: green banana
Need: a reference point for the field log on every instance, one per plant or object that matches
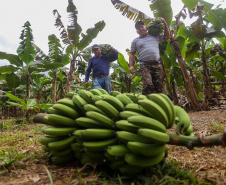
(148, 150)
(114, 93)
(90, 107)
(126, 126)
(114, 165)
(104, 120)
(61, 120)
(56, 131)
(66, 111)
(103, 91)
(68, 102)
(45, 148)
(184, 119)
(117, 150)
(64, 152)
(94, 134)
(48, 122)
(51, 110)
(124, 99)
(171, 122)
(162, 103)
(47, 139)
(86, 95)
(137, 108)
(142, 161)
(61, 159)
(96, 98)
(126, 114)
(99, 145)
(45, 127)
(112, 158)
(125, 137)
(94, 154)
(155, 110)
(94, 161)
(76, 147)
(70, 95)
(80, 102)
(108, 109)
(133, 97)
(114, 102)
(141, 97)
(155, 136)
(188, 131)
(146, 122)
(96, 92)
(88, 122)
(61, 145)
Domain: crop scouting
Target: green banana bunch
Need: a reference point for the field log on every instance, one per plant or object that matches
(155, 27)
(126, 131)
(106, 51)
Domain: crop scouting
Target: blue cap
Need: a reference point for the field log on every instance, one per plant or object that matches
(139, 23)
(95, 46)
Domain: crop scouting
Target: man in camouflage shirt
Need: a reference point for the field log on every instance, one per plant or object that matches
(147, 47)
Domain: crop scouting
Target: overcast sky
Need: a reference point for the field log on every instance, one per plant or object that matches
(118, 32)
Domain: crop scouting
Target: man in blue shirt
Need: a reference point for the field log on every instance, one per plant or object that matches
(147, 47)
(100, 66)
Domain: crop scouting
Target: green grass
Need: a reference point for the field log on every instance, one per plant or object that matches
(217, 127)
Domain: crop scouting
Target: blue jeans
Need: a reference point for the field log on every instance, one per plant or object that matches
(102, 83)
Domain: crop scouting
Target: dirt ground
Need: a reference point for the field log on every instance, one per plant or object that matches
(207, 162)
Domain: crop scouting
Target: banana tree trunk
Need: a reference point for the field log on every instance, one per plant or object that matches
(128, 83)
(54, 87)
(38, 97)
(208, 91)
(175, 98)
(190, 91)
(70, 74)
(28, 80)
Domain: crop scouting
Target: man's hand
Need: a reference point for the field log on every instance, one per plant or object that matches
(87, 84)
(131, 69)
(111, 48)
(162, 19)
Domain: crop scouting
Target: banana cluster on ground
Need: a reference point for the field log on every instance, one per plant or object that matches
(125, 131)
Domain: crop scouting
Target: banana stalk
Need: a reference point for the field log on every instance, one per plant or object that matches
(199, 141)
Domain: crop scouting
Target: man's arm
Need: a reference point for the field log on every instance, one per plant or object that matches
(115, 57)
(88, 71)
(131, 62)
(166, 31)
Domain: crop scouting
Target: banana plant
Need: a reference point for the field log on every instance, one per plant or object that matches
(24, 62)
(162, 8)
(122, 77)
(25, 106)
(54, 61)
(204, 34)
(71, 37)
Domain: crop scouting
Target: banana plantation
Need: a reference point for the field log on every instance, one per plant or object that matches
(55, 130)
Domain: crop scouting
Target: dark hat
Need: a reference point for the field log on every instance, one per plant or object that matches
(95, 46)
(139, 23)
